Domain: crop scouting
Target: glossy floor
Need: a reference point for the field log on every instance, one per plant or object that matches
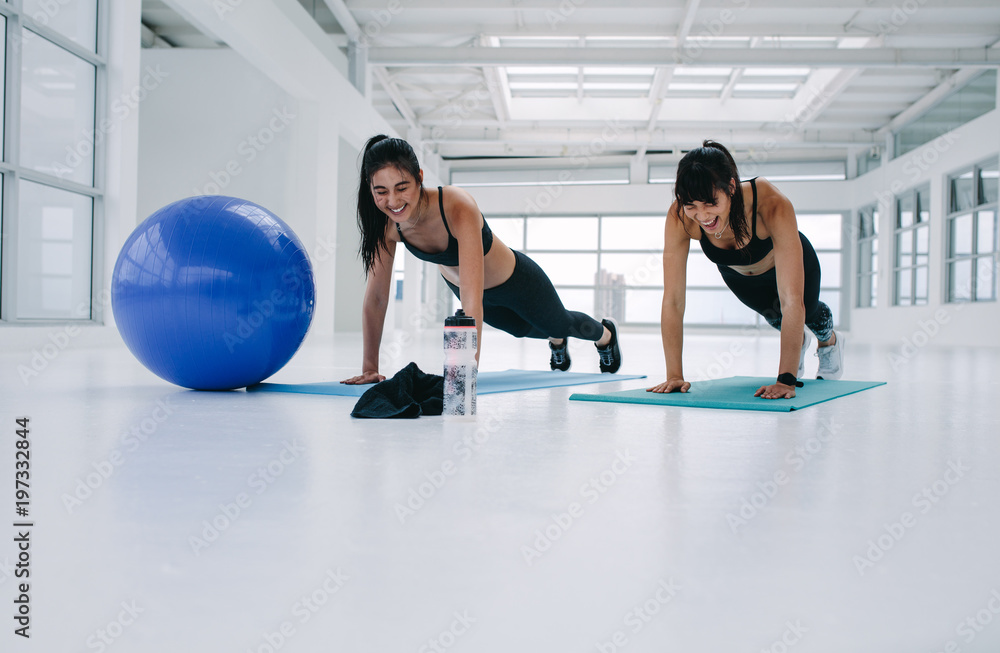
(171, 520)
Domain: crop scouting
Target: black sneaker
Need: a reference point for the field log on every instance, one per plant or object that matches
(559, 360)
(611, 355)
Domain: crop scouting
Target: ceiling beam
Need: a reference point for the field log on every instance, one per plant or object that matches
(404, 108)
(740, 57)
(505, 6)
(343, 15)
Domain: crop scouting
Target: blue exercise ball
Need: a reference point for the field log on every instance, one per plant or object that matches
(213, 293)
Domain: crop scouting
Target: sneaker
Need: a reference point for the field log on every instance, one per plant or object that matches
(611, 355)
(831, 360)
(806, 341)
(559, 358)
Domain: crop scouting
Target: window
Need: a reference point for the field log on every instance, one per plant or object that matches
(51, 181)
(912, 248)
(971, 256)
(974, 99)
(612, 266)
(867, 276)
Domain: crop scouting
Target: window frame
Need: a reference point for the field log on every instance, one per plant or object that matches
(911, 231)
(13, 172)
(976, 258)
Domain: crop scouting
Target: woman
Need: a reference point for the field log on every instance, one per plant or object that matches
(749, 230)
(495, 284)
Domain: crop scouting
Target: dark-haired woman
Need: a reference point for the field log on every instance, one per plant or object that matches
(495, 284)
(748, 229)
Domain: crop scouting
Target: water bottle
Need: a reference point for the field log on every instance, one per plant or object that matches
(460, 365)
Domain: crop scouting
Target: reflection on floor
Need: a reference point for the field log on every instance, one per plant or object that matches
(171, 520)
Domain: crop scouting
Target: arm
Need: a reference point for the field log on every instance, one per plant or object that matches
(676, 245)
(373, 315)
(778, 216)
(466, 224)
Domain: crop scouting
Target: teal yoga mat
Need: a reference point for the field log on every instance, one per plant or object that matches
(736, 392)
(487, 383)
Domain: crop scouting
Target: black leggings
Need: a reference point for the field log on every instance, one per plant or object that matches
(527, 306)
(760, 293)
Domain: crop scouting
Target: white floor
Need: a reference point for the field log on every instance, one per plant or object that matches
(547, 526)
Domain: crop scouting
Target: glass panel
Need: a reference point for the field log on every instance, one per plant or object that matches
(988, 183)
(714, 307)
(829, 265)
(633, 269)
(961, 235)
(873, 289)
(986, 232)
(920, 291)
(962, 196)
(578, 299)
(904, 242)
(702, 272)
(55, 234)
(510, 231)
(985, 279)
(904, 287)
(562, 233)
(822, 229)
(923, 239)
(569, 269)
(904, 210)
(832, 299)
(57, 111)
(865, 256)
(924, 205)
(960, 281)
(864, 224)
(74, 19)
(3, 89)
(632, 233)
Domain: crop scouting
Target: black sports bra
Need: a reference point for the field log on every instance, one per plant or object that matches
(753, 252)
(449, 256)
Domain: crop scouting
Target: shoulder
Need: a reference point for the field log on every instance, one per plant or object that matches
(775, 210)
(770, 200)
(676, 227)
(460, 206)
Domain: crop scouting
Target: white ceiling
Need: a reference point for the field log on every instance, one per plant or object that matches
(531, 78)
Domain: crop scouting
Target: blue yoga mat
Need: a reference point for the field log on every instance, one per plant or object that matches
(736, 392)
(487, 383)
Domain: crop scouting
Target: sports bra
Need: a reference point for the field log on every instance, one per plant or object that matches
(753, 252)
(449, 256)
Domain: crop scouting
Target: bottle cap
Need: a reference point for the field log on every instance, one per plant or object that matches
(460, 319)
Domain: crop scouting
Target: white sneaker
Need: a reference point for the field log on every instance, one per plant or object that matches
(831, 360)
(806, 341)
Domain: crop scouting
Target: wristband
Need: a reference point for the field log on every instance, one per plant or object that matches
(789, 379)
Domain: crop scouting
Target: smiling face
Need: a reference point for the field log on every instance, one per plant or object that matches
(712, 217)
(396, 193)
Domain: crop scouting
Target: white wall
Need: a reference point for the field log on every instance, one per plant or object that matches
(952, 324)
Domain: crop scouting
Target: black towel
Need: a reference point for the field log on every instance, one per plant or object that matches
(410, 393)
